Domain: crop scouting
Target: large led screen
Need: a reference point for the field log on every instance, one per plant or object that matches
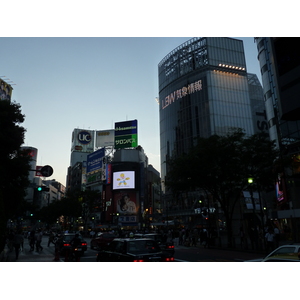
(123, 180)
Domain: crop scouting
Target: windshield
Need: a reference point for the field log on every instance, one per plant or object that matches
(139, 247)
(68, 238)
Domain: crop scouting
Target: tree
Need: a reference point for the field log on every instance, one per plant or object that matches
(75, 204)
(221, 166)
(14, 163)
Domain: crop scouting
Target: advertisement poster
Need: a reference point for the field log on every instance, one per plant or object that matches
(123, 180)
(126, 202)
(94, 160)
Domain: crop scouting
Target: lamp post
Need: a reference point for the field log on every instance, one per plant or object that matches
(250, 181)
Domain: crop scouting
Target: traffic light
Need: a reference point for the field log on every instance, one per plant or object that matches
(42, 188)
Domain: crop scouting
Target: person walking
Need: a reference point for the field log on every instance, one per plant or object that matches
(277, 236)
(32, 240)
(51, 238)
(39, 236)
(17, 242)
(270, 236)
(10, 240)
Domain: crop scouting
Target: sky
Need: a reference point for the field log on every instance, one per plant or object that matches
(63, 83)
(90, 83)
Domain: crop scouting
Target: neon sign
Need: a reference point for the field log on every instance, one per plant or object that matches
(179, 94)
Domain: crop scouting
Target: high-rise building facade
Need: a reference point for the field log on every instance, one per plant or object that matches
(204, 89)
(280, 70)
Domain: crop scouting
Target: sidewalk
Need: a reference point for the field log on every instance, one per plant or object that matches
(221, 244)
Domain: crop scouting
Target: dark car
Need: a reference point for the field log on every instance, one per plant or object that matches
(132, 250)
(66, 243)
(101, 240)
(167, 247)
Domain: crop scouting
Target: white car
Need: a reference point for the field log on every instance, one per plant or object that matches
(285, 253)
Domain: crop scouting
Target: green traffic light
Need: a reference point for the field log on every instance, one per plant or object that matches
(39, 188)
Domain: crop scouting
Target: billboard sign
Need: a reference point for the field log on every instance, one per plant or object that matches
(126, 134)
(95, 161)
(123, 180)
(105, 138)
(82, 140)
(126, 203)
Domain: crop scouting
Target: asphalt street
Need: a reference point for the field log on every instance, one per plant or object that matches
(182, 254)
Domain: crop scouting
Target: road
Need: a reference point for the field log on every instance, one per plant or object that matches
(182, 254)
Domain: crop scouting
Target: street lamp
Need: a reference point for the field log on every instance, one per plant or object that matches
(251, 181)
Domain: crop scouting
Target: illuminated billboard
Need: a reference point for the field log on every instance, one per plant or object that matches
(126, 134)
(123, 180)
(126, 204)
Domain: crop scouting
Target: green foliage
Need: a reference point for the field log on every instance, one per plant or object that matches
(14, 163)
(71, 206)
(221, 165)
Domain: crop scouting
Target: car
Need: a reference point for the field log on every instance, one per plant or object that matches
(66, 243)
(284, 253)
(167, 247)
(102, 239)
(132, 250)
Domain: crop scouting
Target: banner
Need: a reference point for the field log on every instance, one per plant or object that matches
(95, 161)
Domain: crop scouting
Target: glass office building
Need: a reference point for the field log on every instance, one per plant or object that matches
(204, 90)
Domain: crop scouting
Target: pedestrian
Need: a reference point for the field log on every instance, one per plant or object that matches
(10, 240)
(270, 240)
(17, 242)
(204, 238)
(32, 240)
(242, 235)
(39, 236)
(58, 242)
(180, 237)
(92, 234)
(277, 236)
(51, 238)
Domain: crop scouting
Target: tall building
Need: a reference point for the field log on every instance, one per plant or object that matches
(5, 90)
(83, 143)
(280, 69)
(204, 89)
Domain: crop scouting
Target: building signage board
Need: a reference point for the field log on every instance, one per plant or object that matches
(82, 140)
(126, 134)
(105, 138)
(95, 161)
(181, 93)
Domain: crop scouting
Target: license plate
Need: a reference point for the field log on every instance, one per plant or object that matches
(78, 249)
(154, 258)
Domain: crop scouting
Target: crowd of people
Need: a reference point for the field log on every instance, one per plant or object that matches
(14, 240)
(266, 238)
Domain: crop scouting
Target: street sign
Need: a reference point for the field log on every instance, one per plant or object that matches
(46, 171)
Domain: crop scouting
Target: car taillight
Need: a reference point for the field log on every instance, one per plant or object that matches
(170, 247)
(170, 259)
(67, 245)
(83, 244)
(138, 260)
